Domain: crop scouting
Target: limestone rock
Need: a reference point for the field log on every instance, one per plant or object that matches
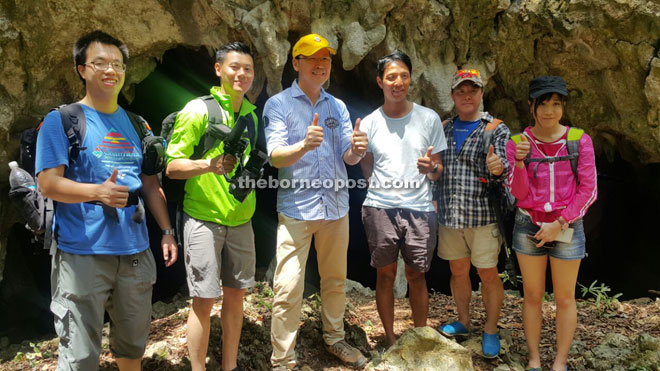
(358, 42)
(617, 352)
(423, 349)
(160, 349)
(358, 288)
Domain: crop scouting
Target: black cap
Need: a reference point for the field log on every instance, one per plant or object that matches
(547, 84)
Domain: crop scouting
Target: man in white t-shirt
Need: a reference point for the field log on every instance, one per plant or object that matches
(405, 141)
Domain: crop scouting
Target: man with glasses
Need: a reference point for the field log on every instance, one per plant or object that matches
(468, 232)
(101, 263)
(405, 144)
(309, 137)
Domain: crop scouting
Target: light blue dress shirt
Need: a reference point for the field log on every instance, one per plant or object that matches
(286, 118)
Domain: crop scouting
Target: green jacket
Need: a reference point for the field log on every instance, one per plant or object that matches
(207, 196)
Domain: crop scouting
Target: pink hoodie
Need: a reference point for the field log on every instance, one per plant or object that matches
(554, 192)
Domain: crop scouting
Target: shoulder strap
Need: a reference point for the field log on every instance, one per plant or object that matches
(573, 146)
(252, 129)
(216, 115)
(140, 125)
(488, 132)
(75, 128)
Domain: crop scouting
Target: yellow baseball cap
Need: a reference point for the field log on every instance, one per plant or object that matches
(310, 44)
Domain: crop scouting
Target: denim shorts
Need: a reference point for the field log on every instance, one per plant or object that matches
(522, 244)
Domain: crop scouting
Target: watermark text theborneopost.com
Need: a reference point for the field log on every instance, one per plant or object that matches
(336, 184)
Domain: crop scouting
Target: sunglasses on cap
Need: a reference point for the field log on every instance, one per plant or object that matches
(468, 73)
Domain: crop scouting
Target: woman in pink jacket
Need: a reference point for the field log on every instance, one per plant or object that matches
(552, 197)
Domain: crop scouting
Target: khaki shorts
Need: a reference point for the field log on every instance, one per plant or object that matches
(83, 287)
(217, 255)
(480, 244)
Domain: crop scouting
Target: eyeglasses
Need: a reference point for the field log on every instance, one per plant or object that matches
(468, 73)
(315, 59)
(103, 66)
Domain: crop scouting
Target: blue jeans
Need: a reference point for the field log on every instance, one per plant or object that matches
(522, 244)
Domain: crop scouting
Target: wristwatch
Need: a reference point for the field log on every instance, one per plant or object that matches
(168, 231)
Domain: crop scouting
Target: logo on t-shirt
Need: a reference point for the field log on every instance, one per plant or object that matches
(115, 148)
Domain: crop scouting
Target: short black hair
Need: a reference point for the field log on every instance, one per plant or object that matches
(535, 103)
(397, 55)
(80, 47)
(235, 46)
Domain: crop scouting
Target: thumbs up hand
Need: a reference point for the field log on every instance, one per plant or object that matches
(314, 136)
(522, 148)
(359, 140)
(112, 194)
(424, 164)
(494, 162)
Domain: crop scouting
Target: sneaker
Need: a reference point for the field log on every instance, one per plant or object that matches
(490, 345)
(453, 329)
(347, 353)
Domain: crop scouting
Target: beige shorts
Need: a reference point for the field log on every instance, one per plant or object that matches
(217, 255)
(480, 244)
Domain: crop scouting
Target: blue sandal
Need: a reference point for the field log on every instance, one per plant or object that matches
(453, 329)
(490, 345)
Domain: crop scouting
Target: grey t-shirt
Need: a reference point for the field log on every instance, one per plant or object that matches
(397, 144)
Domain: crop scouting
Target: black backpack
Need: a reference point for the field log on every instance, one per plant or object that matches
(37, 210)
(174, 189)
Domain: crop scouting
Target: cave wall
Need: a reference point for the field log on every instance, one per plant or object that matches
(607, 50)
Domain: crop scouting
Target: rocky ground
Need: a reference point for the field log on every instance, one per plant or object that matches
(610, 335)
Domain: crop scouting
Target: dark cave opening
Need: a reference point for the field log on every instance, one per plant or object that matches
(623, 251)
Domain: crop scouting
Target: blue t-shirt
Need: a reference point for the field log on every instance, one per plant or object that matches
(462, 130)
(110, 142)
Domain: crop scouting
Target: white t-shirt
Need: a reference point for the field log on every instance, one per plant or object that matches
(397, 144)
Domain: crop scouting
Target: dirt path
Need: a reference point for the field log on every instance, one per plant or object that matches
(167, 350)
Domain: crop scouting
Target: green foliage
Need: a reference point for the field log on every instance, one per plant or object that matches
(599, 294)
(263, 290)
(315, 300)
(20, 357)
(504, 276)
(265, 304)
(548, 297)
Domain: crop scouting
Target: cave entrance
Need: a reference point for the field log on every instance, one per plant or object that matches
(623, 250)
(183, 74)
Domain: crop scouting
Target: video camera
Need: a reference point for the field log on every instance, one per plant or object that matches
(235, 145)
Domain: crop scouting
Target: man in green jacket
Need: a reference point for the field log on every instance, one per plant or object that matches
(217, 238)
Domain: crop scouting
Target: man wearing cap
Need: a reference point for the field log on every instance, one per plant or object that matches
(468, 230)
(309, 137)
